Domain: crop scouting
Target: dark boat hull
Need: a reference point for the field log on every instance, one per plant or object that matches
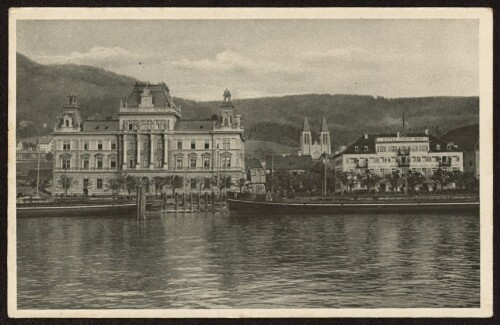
(76, 210)
(351, 207)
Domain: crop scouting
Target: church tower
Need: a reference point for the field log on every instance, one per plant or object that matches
(305, 138)
(324, 138)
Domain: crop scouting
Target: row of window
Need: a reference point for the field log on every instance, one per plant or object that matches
(412, 159)
(85, 164)
(96, 145)
(424, 171)
(423, 148)
(194, 183)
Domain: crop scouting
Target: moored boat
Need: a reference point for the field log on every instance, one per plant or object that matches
(342, 205)
(68, 209)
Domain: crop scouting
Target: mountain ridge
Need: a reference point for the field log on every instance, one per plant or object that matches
(42, 91)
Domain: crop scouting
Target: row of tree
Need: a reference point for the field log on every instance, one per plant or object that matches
(312, 180)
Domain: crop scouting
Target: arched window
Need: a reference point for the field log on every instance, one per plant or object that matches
(67, 123)
(438, 147)
(356, 148)
(366, 148)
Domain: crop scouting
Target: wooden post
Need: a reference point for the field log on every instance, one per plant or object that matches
(213, 202)
(141, 203)
(184, 201)
(191, 201)
(206, 201)
(198, 201)
(164, 207)
(176, 201)
(137, 199)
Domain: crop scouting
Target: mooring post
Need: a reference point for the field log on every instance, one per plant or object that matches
(191, 201)
(213, 202)
(176, 199)
(184, 201)
(206, 201)
(137, 199)
(143, 203)
(164, 202)
(198, 202)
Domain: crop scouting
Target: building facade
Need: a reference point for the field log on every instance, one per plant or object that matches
(148, 138)
(256, 175)
(386, 153)
(315, 147)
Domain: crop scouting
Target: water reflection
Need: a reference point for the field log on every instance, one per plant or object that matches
(227, 261)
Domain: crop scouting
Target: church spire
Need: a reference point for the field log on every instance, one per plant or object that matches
(305, 126)
(324, 126)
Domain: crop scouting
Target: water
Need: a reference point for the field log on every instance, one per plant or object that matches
(236, 261)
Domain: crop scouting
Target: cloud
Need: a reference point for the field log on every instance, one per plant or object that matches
(95, 56)
(228, 61)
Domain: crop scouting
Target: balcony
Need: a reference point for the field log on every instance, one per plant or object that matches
(403, 163)
(361, 165)
(445, 163)
(403, 152)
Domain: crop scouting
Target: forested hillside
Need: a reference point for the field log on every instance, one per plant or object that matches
(42, 91)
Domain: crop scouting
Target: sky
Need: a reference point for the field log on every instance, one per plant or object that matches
(198, 59)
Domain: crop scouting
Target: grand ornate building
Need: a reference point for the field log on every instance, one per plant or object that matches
(315, 147)
(148, 138)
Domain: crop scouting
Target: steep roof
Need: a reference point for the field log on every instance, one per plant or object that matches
(289, 162)
(253, 163)
(41, 140)
(194, 125)
(305, 126)
(369, 142)
(160, 93)
(324, 126)
(465, 137)
(100, 125)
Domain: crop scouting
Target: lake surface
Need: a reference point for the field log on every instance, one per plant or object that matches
(244, 261)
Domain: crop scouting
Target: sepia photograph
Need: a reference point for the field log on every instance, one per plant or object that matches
(250, 162)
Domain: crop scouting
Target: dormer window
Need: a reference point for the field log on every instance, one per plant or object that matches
(438, 147)
(366, 148)
(448, 147)
(356, 148)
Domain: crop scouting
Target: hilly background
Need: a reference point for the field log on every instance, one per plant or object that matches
(42, 91)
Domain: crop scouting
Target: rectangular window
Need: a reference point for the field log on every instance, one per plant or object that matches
(159, 144)
(145, 162)
(193, 144)
(206, 182)
(85, 145)
(112, 162)
(131, 163)
(66, 163)
(99, 183)
(206, 162)
(178, 163)
(66, 145)
(99, 144)
(130, 126)
(455, 169)
(226, 161)
(225, 144)
(193, 183)
(98, 163)
(382, 171)
(159, 162)
(207, 144)
(132, 144)
(85, 163)
(113, 144)
(179, 144)
(85, 183)
(192, 162)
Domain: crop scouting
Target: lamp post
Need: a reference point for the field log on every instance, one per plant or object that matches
(325, 159)
(65, 168)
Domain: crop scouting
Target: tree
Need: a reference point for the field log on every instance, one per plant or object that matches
(394, 179)
(241, 184)
(66, 182)
(116, 184)
(49, 156)
(159, 182)
(369, 179)
(346, 179)
(131, 183)
(442, 177)
(414, 179)
(174, 182)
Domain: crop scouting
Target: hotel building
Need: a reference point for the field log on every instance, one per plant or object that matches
(385, 153)
(148, 138)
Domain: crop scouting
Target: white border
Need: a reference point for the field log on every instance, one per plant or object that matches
(484, 15)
